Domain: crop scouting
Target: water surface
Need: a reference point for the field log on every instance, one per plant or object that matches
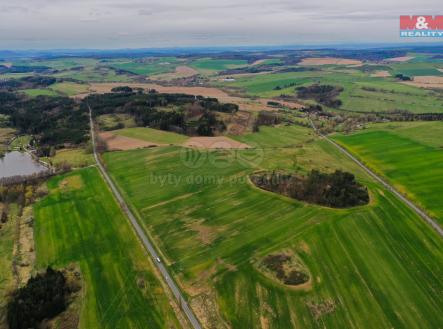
(18, 163)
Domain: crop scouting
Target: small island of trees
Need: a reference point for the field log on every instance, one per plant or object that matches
(337, 190)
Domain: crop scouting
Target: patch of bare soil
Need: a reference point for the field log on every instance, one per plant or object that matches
(319, 309)
(329, 61)
(432, 82)
(219, 142)
(206, 310)
(381, 74)
(399, 59)
(239, 122)
(71, 183)
(123, 143)
(24, 252)
(205, 233)
(286, 268)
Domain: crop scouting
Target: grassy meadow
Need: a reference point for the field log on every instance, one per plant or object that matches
(376, 266)
(152, 135)
(80, 222)
(156, 66)
(410, 155)
(212, 64)
(76, 157)
(362, 92)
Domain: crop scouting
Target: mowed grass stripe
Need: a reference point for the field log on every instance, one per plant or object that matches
(87, 227)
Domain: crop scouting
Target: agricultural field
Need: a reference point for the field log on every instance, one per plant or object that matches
(76, 157)
(152, 135)
(212, 64)
(80, 222)
(374, 266)
(417, 68)
(7, 237)
(362, 93)
(409, 155)
(148, 67)
(94, 74)
(69, 88)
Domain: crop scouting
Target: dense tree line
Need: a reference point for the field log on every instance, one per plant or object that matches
(24, 69)
(27, 83)
(43, 297)
(181, 113)
(54, 121)
(338, 189)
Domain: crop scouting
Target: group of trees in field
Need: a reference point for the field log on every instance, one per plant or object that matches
(278, 264)
(403, 77)
(338, 189)
(323, 94)
(43, 297)
(181, 113)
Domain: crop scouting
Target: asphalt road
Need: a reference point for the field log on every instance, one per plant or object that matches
(143, 237)
(411, 205)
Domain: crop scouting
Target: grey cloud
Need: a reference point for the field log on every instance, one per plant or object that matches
(152, 23)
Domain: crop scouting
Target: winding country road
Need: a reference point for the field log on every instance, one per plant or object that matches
(406, 201)
(143, 237)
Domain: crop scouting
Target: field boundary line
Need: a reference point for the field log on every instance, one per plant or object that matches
(382, 181)
(149, 246)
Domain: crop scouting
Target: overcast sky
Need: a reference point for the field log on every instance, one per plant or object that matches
(39, 24)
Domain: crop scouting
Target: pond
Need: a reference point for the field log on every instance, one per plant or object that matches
(18, 163)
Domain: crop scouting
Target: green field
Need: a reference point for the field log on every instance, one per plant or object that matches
(152, 135)
(69, 88)
(8, 235)
(410, 155)
(380, 265)
(80, 222)
(417, 69)
(211, 64)
(156, 66)
(362, 93)
(76, 157)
